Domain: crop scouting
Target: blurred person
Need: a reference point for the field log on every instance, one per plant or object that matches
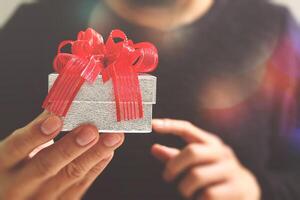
(227, 93)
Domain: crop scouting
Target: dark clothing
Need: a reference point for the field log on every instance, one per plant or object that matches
(234, 37)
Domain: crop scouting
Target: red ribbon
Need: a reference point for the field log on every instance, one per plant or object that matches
(120, 61)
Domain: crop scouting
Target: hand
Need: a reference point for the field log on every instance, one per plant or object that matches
(64, 170)
(208, 165)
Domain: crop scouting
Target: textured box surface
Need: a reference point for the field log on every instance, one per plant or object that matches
(95, 104)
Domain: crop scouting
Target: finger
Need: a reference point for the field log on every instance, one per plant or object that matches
(192, 155)
(50, 161)
(79, 167)
(183, 129)
(164, 153)
(202, 177)
(219, 192)
(18, 145)
(79, 189)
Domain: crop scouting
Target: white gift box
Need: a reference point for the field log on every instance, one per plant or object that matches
(95, 104)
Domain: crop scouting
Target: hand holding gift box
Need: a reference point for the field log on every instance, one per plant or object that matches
(99, 83)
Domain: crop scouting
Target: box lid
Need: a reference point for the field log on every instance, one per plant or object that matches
(100, 92)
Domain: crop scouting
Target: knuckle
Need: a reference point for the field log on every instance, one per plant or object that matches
(100, 166)
(17, 131)
(97, 169)
(44, 168)
(209, 194)
(74, 171)
(103, 154)
(186, 124)
(192, 150)
(16, 146)
(110, 157)
(217, 140)
(168, 122)
(228, 151)
(195, 174)
(64, 152)
(85, 182)
(232, 168)
(99, 153)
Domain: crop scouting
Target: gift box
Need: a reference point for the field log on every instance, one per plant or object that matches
(95, 104)
(104, 83)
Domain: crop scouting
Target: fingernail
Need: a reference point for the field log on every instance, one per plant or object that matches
(158, 122)
(86, 136)
(50, 125)
(110, 140)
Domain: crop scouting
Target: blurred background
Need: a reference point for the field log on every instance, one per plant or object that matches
(249, 40)
(7, 8)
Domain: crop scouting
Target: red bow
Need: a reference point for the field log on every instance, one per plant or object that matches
(120, 61)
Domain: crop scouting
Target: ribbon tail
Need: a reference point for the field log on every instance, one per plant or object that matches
(132, 94)
(63, 92)
(116, 86)
(138, 100)
(127, 92)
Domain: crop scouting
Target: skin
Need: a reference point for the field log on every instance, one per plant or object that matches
(39, 169)
(206, 162)
(63, 170)
(169, 15)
